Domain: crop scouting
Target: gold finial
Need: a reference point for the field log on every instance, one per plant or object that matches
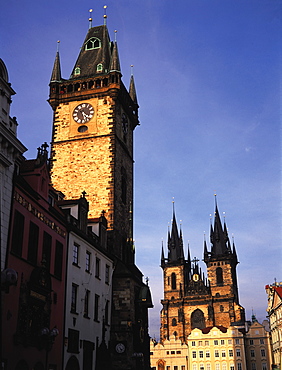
(115, 35)
(105, 14)
(90, 18)
(58, 44)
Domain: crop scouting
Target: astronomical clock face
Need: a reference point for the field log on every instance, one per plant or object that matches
(83, 113)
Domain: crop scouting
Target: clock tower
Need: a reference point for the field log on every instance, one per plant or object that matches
(92, 140)
(92, 151)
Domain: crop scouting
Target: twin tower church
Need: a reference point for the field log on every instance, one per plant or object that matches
(192, 300)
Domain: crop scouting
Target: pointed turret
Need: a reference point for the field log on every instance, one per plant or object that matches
(132, 90)
(115, 64)
(162, 256)
(56, 73)
(175, 243)
(206, 254)
(219, 236)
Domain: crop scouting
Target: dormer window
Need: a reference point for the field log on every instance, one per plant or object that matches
(77, 71)
(99, 67)
(93, 43)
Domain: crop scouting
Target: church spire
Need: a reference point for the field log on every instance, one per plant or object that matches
(56, 73)
(175, 242)
(219, 236)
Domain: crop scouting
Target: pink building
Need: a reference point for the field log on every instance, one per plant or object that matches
(33, 308)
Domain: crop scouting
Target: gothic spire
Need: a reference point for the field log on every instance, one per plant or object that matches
(219, 236)
(175, 242)
(56, 73)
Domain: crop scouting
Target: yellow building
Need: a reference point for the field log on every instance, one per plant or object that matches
(213, 348)
(274, 310)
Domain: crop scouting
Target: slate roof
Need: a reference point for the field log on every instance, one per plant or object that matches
(88, 60)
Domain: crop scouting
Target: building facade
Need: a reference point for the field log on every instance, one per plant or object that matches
(274, 310)
(10, 158)
(212, 348)
(88, 289)
(258, 348)
(33, 308)
(92, 152)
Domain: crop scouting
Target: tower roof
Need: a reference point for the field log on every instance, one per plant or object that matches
(115, 64)
(175, 243)
(95, 55)
(56, 73)
(132, 90)
(219, 236)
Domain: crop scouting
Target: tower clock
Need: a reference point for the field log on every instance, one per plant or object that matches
(92, 141)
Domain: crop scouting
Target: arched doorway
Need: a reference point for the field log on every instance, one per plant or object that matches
(72, 363)
(197, 319)
(161, 365)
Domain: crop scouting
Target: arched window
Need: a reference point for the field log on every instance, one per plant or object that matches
(197, 319)
(161, 365)
(219, 276)
(92, 43)
(173, 323)
(99, 67)
(173, 281)
(77, 71)
(72, 364)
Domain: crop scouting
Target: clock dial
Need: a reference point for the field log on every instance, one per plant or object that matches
(83, 113)
(120, 348)
(196, 277)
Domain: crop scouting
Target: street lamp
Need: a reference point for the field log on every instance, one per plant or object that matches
(48, 336)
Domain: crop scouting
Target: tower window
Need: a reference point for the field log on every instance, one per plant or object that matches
(93, 43)
(174, 323)
(82, 129)
(77, 71)
(99, 67)
(219, 276)
(173, 281)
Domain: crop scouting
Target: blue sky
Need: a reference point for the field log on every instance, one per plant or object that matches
(208, 79)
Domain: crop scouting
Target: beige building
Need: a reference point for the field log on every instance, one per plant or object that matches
(214, 348)
(257, 342)
(274, 310)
